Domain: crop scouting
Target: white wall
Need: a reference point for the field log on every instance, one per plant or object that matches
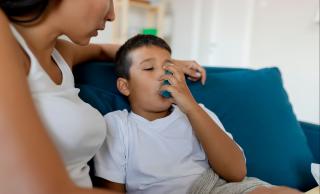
(230, 32)
(183, 28)
(286, 35)
(255, 34)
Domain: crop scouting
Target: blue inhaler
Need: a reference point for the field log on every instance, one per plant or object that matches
(165, 93)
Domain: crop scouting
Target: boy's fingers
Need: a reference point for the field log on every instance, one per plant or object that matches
(169, 78)
(175, 71)
(168, 88)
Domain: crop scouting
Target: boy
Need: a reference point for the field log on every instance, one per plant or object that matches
(165, 145)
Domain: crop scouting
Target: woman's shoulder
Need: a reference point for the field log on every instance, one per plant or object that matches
(6, 37)
(2, 15)
(4, 24)
(9, 45)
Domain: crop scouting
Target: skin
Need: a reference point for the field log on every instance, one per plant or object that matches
(30, 162)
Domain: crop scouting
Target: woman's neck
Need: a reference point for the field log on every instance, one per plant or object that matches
(40, 39)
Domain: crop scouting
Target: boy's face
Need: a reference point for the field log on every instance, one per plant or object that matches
(144, 83)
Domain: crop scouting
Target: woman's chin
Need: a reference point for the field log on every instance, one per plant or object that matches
(83, 42)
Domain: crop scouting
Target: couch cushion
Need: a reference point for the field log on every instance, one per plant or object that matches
(312, 132)
(104, 101)
(252, 105)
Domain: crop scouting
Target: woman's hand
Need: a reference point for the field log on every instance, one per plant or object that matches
(192, 69)
(181, 95)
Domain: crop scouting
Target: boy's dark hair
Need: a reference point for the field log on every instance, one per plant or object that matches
(123, 61)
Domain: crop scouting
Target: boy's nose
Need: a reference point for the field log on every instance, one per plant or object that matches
(159, 74)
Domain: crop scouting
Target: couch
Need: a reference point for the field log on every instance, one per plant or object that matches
(252, 104)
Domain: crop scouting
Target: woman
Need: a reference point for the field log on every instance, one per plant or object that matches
(41, 115)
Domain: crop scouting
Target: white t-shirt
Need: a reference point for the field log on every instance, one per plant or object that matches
(160, 156)
(77, 129)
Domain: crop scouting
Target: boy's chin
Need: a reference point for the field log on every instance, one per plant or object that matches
(164, 105)
(169, 105)
(166, 102)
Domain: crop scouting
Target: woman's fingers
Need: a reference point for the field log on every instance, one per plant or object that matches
(203, 74)
(198, 72)
(193, 70)
(192, 79)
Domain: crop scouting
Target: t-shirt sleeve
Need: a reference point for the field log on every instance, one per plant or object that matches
(215, 118)
(110, 160)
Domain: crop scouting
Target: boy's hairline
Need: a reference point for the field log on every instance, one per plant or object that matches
(128, 57)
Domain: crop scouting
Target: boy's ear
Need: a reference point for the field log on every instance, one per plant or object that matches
(123, 86)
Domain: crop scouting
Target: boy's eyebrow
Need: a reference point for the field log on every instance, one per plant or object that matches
(146, 60)
(152, 59)
(168, 61)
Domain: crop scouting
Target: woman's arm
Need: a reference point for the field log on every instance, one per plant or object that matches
(75, 54)
(29, 161)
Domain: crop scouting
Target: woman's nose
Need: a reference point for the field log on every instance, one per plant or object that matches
(111, 14)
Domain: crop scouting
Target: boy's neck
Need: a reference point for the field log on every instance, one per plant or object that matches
(151, 116)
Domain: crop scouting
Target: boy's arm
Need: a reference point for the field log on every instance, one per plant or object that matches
(224, 156)
(112, 186)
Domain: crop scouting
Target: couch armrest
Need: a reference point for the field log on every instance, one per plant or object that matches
(312, 132)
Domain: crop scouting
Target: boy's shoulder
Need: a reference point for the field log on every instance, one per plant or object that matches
(117, 122)
(117, 116)
(117, 112)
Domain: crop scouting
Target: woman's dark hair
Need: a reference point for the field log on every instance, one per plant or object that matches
(23, 11)
(123, 60)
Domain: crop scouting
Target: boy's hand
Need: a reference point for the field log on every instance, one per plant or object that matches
(192, 69)
(181, 95)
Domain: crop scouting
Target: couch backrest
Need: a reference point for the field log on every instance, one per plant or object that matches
(252, 105)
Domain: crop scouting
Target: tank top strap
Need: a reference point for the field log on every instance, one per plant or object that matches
(20, 40)
(24, 45)
(68, 79)
(36, 68)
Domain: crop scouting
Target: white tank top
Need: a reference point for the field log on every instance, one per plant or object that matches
(78, 130)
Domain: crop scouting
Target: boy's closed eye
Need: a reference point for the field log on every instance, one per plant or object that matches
(148, 69)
